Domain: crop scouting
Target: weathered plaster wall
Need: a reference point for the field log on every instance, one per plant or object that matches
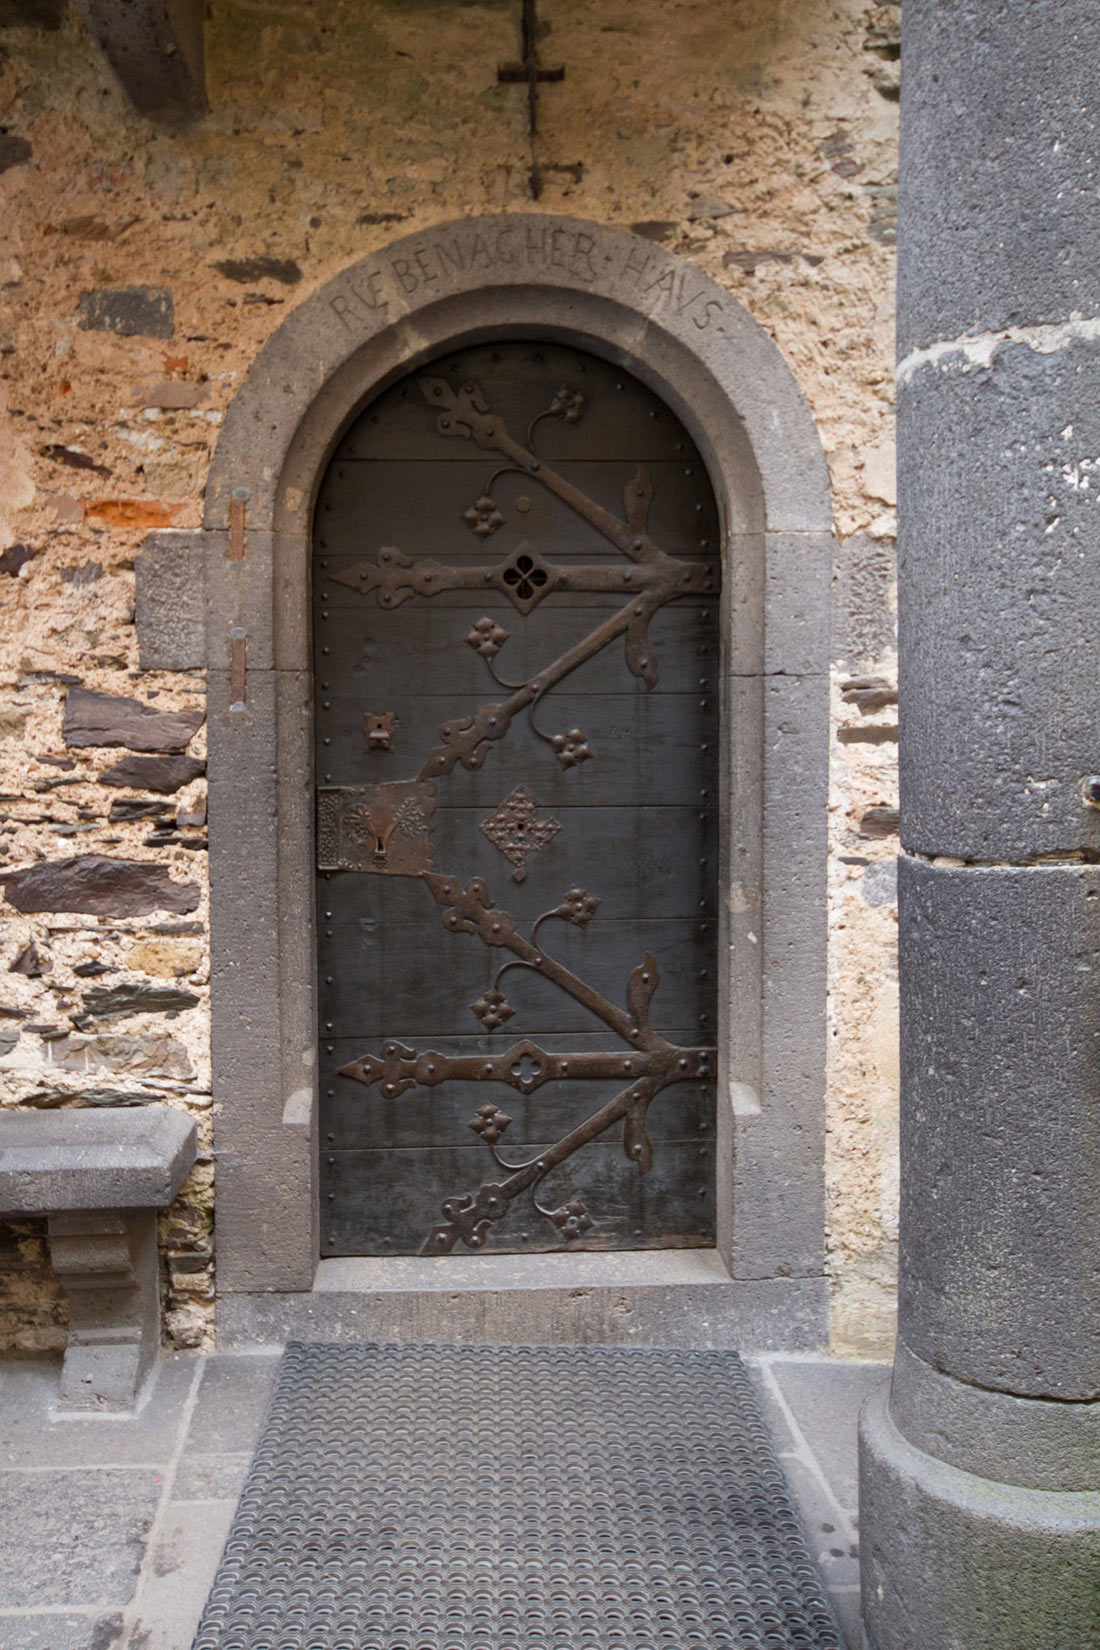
(143, 267)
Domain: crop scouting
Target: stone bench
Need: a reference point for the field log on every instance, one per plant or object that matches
(100, 1177)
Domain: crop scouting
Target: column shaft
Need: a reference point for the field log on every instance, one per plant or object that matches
(980, 1475)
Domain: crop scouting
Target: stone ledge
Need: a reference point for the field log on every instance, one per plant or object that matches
(644, 1298)
(73, 1159)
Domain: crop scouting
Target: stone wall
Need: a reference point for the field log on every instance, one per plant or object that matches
(143, 266)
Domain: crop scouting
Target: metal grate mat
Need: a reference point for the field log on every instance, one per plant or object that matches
(514, 1498)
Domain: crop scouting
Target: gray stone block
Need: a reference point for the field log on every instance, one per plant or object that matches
(550, 273)
(14, 151)
(240, 601)
(170, 601)
(1000, 609)
(953, 1559)
(137, 997)
(1000, 167)
(261, 267)
(1032, 1441)
(107, 1262)
(864, 623)
(1000, 1210)
(787, 1314)
(80, 1160)
(798, 579)
(266, 1180)
(100, 1176)
(777, 1175)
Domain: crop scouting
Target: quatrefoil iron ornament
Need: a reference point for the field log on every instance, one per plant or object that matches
(483, 518)
(571, 748)
(569, 405)
(489, 1122)
(487, 637)
(492, 1009)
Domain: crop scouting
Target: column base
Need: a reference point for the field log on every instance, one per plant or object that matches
(959, 1562)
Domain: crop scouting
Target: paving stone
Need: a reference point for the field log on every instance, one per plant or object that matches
(179, 1574)
(826, 1400)
(30, 1438)
(231, 1404)
(60, 1632)
(210, 1477)
(845, 1603)
(74, 1537)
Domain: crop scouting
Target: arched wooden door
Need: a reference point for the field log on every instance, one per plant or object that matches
(516, 656)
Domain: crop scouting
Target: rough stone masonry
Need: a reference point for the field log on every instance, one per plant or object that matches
(142, 266)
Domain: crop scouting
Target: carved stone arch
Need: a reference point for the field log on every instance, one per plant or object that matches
(634, 303)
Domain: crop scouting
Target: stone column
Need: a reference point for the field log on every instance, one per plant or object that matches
(980, 1468)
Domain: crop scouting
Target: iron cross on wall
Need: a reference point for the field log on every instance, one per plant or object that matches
(531, 73)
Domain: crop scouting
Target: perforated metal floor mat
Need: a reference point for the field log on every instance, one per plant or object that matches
(514, 1498)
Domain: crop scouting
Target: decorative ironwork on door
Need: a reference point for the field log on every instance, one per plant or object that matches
(614, 581)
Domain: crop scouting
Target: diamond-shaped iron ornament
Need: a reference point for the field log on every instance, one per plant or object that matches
(514, 829)
(525, 578)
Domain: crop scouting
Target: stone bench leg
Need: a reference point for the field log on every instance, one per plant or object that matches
(107, 1261)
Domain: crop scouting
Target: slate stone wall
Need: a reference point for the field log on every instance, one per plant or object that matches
(141, 269)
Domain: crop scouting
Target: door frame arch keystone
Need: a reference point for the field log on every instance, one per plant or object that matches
(623, 298)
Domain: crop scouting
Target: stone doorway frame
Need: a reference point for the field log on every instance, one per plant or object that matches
(632, 302)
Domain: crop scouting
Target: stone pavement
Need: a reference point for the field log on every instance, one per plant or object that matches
(111, 1529)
